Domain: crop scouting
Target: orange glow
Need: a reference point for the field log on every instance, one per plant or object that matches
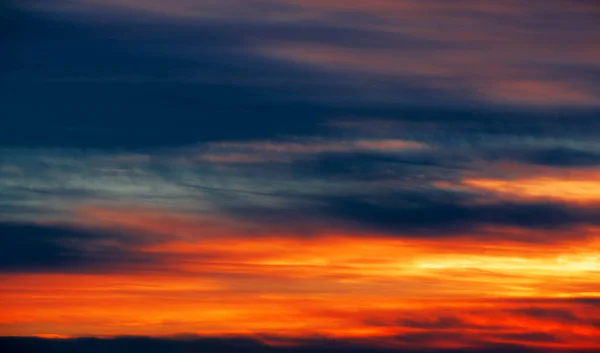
(339, 284)
(554, 187)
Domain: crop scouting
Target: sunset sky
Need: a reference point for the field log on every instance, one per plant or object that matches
(278, 176)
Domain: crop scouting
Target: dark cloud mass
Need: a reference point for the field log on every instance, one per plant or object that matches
(120, 71)
(563, 157)
(223, 345)
(153, 81)
(426, 214)
(56, 248)
(441, 216)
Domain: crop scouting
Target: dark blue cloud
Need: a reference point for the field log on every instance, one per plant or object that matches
(242, 345)
(55, 248)
(121, 81)
(561, 157)
(427, 213)
(364, 166)
(71, 84)
(443, 215)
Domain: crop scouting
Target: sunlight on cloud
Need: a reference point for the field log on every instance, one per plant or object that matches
(340, 283)
(566, 188)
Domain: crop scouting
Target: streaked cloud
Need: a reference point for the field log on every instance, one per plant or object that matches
(340, 283)
(537, 54)
(383, 176)
(568, 188)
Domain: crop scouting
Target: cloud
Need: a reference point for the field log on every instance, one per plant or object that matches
(543, 188)
(550, 314)
(134, 75)
(320, 175)
(385, 183)
(502, 62)
(429, 213)
(221, 72)
(153, 272)
(224, 345)
(291, 151)
(561, 157)
(63, 248)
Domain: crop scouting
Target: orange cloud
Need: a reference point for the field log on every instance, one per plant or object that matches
(583, 188)
(213, 279)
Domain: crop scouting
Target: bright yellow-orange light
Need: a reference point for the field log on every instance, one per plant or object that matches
(542, 187)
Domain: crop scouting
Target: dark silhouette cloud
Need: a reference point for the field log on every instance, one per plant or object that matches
(57, 248)
(431, 213)
(116, 81)
(437, 215)
(241, 345)
(562, 157)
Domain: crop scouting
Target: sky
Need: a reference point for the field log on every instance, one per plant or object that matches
(288, 176)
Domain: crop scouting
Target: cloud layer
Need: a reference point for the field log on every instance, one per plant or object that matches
(412, 176)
